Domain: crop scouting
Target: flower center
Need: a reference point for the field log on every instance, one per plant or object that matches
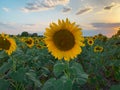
(98, 48)
(90, 42)
(64, 40)
(29, 42)
(4, 43)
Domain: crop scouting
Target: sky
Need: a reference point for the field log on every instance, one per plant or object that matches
(33, 16)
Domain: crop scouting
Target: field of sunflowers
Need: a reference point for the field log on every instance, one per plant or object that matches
(60, 60)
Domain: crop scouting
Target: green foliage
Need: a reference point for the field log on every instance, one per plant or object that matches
(4, 84)
(59, 68)
(115, 87)
(32, 76)
(59, 84)
(36, 69)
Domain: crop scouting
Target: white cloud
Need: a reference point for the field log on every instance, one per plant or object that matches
(6, 9)
(109, 7)
(85, 10)
(66, 9)
(87, 26)
(40, 5)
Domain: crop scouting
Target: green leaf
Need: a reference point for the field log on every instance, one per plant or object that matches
(63, 84)
(19, 75)
(117, 75)
(78, 73)
(4, 85)
(5, 67)
(49, 85)
(32, 76)
(115, 87)
(45, 70)
(59, 68)
(67, 85)
(3, 54)
(78, 67)
(60, 84)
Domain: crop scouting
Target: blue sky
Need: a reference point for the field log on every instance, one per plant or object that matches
(33, 16)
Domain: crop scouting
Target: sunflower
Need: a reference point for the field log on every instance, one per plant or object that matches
(30, 42)
(22, 39)
(36, 40)
(95, 37)
(64, 39)
(90, 41)
(8, 44)
(40, 46)
(98, 49)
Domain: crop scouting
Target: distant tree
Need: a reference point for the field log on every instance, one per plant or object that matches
(34, 35)
(25, 34)
(18, 35)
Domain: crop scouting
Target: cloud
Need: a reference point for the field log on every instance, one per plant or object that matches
(110, 6)
(6, 9)
(106, 28)
(100, 2)
(87, 26)
(105, 25)
(14, 28)
(6, 25)
(66, 9)
(82, 11)
(40, 5)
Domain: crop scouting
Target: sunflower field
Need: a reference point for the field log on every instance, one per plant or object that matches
(60, 60)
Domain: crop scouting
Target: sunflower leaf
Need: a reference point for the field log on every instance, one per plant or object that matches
(59, 68)
(4, 85)
(32, 76)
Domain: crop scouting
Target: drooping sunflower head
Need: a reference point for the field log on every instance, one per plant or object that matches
(8, 44)
(90, 41)
(98, 49)
(95, 37)
(36, 41)
(30, 42)
(22, 39)
(64, 40)
(40, 46)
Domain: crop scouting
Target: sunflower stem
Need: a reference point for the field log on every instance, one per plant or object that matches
(66, 71)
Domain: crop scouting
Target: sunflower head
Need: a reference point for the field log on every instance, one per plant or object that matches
(64, 40)
(6, 43)
(98, 49)
(36, 41)
(30, 42)
(40, 46)
(90, 41)
(22, 39)
(95, 37)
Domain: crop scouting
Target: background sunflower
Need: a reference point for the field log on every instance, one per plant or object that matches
(98, 49)
(8, 44)
(30, 42)
(90, 41)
